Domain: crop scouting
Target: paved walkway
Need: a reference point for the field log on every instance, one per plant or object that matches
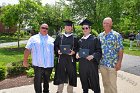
(131, 64)
(127, 83)
(12, 43)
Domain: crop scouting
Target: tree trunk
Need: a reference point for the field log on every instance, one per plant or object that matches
(18, 35)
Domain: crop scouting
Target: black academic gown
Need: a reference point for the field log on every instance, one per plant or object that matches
(89, 69)
(65, 69)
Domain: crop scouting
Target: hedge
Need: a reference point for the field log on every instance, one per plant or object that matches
(2, 73)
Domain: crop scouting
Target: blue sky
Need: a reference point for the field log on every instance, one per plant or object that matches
(16, 1)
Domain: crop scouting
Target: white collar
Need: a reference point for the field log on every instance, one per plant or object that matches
(43, 35)
(85, 37)
(67, 35)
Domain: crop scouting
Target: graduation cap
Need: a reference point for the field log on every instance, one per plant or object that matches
(86, 22)
(68, 23)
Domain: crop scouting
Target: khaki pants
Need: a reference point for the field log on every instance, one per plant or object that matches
(109, 78)
(61, 86)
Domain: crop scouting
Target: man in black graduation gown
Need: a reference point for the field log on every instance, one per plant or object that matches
(88, 65)
(65, 71)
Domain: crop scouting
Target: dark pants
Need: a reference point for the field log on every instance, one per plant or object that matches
(86, 91)
(39, 74)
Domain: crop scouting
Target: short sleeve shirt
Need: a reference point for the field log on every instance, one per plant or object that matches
(42, 50)
(111, 43)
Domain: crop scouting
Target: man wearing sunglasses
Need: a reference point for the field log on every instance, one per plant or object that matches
(65, 71)
(88, 64)
(41, 46)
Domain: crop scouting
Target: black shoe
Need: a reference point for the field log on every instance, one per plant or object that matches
(85, 90)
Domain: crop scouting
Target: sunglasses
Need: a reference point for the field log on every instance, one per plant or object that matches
(44, 28)
(85, 28)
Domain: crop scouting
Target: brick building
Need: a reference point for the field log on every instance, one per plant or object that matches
(4, 29)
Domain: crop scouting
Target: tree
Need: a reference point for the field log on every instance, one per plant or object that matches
(21, 14)
(130, 16)
(54, 15)
(8, 15)
(125, 13)
(97, 10)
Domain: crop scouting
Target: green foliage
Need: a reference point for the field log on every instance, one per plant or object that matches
(134, 51)
(94, 32)
(125, 13)
(79, 32)
(15, 68)
(9, 15)
(2, 73)
(22, 33)
(30, 72)
(12, 54)
(77, 68)
(52, 18)
(52, 75)
(97, 10)
(22, 14)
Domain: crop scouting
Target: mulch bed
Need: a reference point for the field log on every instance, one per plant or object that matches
(16, 82)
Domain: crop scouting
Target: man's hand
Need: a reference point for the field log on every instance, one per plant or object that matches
(25, 64)
(26, 54)
(72, 52)
(59, 52)
(77, 56)
(90, 57)
(118, 66)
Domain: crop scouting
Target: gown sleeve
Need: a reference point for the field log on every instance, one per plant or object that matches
(56, 45)
(75, 49)
(98, 51)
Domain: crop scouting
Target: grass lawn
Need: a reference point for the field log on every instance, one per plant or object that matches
(134, 51)
(12, 54)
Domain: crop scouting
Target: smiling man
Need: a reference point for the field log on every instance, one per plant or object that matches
(112, 54)
(88, 65)
(65, 71)
(41, 46)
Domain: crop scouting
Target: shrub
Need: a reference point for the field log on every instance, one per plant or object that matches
(30, 72)
(2, 73)
(14, 71)
(52, 75)
(77, 68)
(15, 68)
(79, 31)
